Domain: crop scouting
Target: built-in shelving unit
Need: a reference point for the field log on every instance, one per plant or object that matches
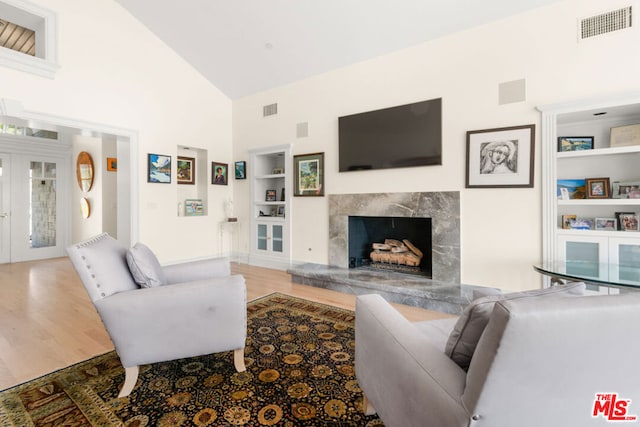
(270, 174)
(618, 163)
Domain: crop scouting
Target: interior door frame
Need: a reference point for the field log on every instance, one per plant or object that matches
(21, 148)
(128, 163)
(5, 208)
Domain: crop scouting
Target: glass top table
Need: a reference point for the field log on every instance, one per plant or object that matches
(591, 272)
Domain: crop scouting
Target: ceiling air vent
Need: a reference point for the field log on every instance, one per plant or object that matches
(270, 110)
(605, 23)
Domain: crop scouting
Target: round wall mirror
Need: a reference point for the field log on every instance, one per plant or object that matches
(84, 171)
(85, 207)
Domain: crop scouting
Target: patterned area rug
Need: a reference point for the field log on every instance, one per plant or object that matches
(300, 372)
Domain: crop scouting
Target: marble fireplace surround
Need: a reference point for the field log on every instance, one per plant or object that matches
(443, 292)
(442, 207)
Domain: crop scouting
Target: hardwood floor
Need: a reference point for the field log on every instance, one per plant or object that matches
(48, 321)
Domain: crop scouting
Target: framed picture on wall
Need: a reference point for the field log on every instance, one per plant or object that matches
(240, 170)
(308, 174)
(219, 172)
(500, 158)
(193, 207)
(112, 164)
(158, 168)
(186, 170)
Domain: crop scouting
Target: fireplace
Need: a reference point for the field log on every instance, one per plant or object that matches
(401, 244)
(442, 209)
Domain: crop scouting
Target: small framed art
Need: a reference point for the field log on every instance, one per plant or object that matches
(193, 207)
(308, 174)
(629, 222)
(575, 143)
(280, 210)
(186, 170)
(623, 136)
(618, 216)
(158, 168)
(271, 196)
(568, 189)
(240, 169)
(608, 224)
(219, 172)
(625, 190)
(500, 158)
(112, 164)
(567, 219)
(597, 188)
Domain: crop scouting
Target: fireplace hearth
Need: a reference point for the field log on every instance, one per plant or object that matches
(442, 292)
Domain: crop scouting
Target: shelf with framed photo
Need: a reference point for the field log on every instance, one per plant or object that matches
(591, 141)
(270, 177)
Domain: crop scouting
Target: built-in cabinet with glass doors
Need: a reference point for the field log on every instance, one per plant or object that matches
(270, 174)
(597, 246)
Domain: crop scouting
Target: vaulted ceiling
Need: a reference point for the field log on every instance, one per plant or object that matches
(248, 46)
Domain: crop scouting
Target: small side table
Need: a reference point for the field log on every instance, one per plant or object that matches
(227, 227)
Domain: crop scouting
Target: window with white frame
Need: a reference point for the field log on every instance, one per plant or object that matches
(28, 38)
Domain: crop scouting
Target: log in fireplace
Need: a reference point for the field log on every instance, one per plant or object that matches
(400, 244)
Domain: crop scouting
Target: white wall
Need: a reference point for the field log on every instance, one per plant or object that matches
(115, 72)
(501, 228)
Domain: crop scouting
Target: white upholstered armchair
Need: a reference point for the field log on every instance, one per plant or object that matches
(154, 313)
(525, 359)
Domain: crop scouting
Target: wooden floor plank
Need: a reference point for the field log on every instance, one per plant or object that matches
(47, 320)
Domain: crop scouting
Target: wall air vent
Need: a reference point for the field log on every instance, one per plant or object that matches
(605, 23)
(270, 110)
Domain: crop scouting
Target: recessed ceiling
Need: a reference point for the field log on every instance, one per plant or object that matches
(248, 46)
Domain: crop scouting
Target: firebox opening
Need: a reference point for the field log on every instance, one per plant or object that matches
(364, 231)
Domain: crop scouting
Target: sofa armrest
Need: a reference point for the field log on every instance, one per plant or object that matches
(197, 270)
(169, 322)
(407, 379)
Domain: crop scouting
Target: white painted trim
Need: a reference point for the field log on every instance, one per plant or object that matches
(131, 135)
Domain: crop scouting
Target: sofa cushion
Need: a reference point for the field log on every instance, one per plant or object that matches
(144, 266)
(465, 335)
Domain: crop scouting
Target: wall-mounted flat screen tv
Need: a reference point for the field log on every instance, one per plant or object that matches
(395, 137)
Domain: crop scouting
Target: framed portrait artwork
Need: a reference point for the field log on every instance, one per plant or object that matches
(501, 157)
(158, 168)
(219, 172)
(597, 188)
(308, 174)
(240, 169)
(186, 170)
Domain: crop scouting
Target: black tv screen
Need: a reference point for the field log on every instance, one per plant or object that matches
(397, 137)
